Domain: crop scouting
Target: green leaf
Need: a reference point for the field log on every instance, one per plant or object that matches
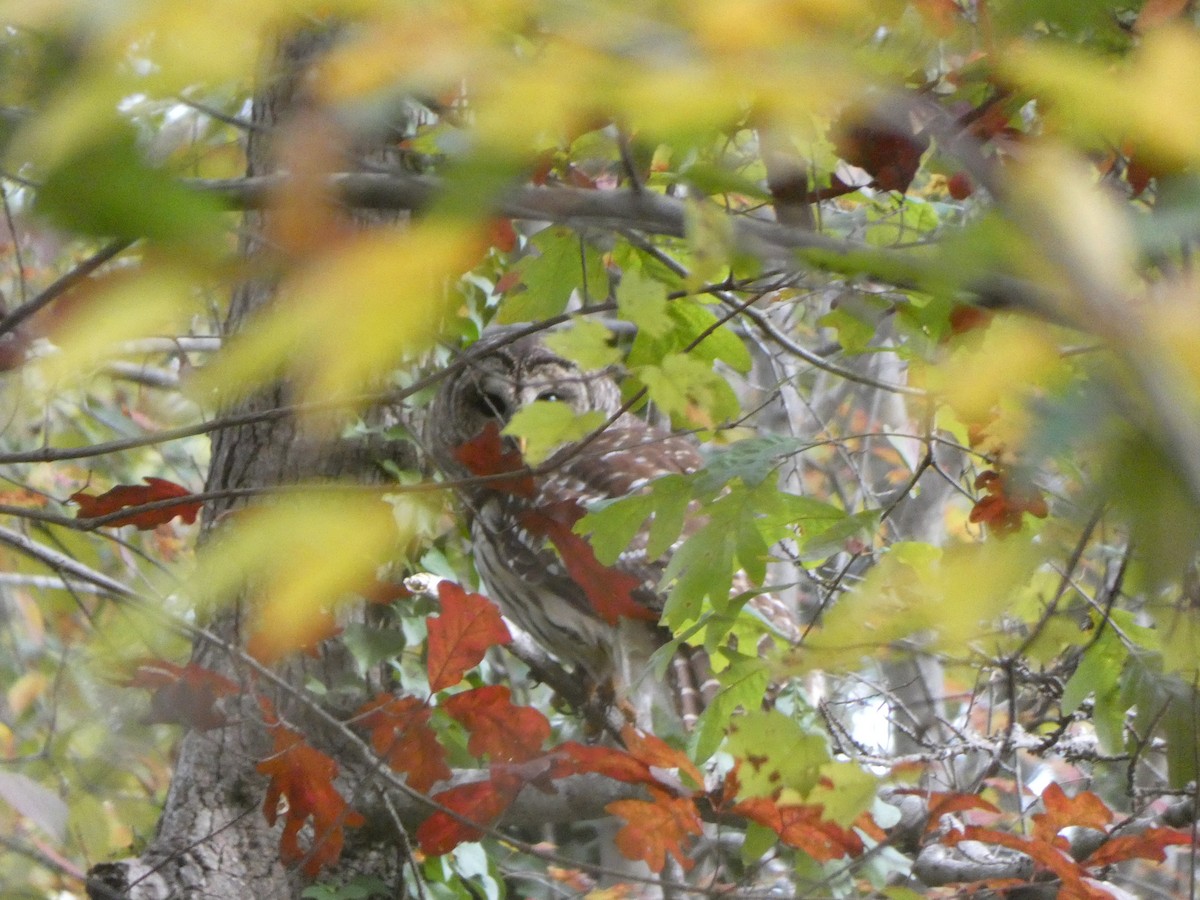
(689, 391)
(751, 460)
(702, 568)
(107, 190)
(672, 494)
(743, 685)
(546, 425)
(643, 302)
(589, 344)
(563, 264)
(783, 754)
(611, 527)
(1099, 674)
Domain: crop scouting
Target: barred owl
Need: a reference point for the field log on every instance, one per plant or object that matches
(520, 571)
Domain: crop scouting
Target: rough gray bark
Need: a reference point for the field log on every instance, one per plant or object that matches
(212, 839)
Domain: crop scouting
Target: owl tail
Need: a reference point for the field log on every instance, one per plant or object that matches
(693, 682)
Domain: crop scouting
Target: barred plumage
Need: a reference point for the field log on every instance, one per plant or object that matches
(524, 575)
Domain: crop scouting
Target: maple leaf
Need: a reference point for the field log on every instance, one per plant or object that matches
(608, 590)
(802, 826)
(486, 455)
(183, 695)
(304, 776)
(401, 735)
(458, 638)
(481, 803)
(1084, 810)
(497, 728)
(654, 828)
(127, 495)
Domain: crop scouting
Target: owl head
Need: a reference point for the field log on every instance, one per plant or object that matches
(501, 374)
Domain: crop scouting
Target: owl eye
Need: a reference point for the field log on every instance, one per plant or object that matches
(490, 403)
(550, 396)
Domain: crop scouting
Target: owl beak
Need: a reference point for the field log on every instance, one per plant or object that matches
(521, 446)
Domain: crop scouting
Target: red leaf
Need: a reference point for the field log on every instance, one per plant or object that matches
(401, 735)
(127, 495)
(461, 635)
(609, 590)
(304, 776)
(183, 695)
(498, 729)
(1084, 810)
(572, 758)
(485, 455)
(480, 802)
(802, 827)
(891, 157)
(1007, 502)
(959, 186)
(502, 235)
(1151, 845)
(657, 827)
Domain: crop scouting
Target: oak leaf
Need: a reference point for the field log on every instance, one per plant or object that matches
(304, 777)
(480, 803)
(1150, 844)
(1084, 810)
(608, 590)
(802, 826)
(183, 695)
(657, 827)
(458, 638)
(132, 495)
(497, 728)
(488, 454)
(401, 735)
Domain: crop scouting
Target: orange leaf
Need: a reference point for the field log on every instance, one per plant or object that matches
(1046, 855)
(486, 455)
(658, 754)
(130, 495)
(802, 827)
(502, 235)
(458, 639)
(400, 734)
(480, 802)
(498, 729)
(657, 827)
(304, 776)
(269, 645)
(183, 695)
(609, 590)
(572, 758)
(1151, 845)
(1084, 810)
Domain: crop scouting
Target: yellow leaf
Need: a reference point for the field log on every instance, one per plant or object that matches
(352, 315)
(25, 691)
(283, 555)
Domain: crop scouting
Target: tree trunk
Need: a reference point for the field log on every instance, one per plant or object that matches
(213, 840)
